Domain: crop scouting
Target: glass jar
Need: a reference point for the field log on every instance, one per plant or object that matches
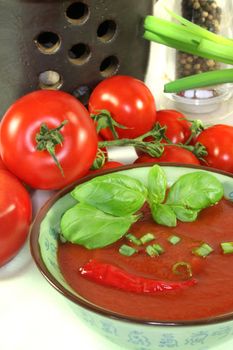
(207, 14)
(215, 16)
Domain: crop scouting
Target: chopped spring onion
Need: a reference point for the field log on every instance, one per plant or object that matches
(227, 247)
(203, 250)
(154, 250)
(200, 80)
(174, 239)
(148, 237)
(177, 268)
(159, 248)
(151, 251)
(127, 250)
(133, 239)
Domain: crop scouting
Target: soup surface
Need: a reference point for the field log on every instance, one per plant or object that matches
(211, 295)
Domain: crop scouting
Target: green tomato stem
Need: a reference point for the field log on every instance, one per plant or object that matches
(155, 148)
(100, 160)
(47, 139)
(103, 120)
(158, 133)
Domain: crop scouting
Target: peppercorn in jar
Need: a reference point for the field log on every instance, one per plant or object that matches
(207, 14)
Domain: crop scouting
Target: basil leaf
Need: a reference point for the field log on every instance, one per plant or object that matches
(92, 228)
(163, 215)
(197, 190)
(114, 194)
(184, 214)
(157, 184)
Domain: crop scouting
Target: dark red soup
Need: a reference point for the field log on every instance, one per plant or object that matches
(211, 294)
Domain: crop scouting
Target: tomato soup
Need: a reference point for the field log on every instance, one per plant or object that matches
(212, 293)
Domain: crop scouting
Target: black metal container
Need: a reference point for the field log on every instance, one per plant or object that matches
(69, 45)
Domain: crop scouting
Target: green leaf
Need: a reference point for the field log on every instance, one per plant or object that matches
(104, 120)
(197, 190)
(157, 184)
(115, 194)
(185, 214)
(163, 215)
(92, 228)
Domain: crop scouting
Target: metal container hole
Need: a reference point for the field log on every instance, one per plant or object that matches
(48, 42)
(77, 12)
(79, 53)
(106, 30)
(50, 80)
(109, 66)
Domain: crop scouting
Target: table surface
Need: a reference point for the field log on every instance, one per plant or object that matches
(31, 310)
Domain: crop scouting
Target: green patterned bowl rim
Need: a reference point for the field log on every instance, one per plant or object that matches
(36, 255)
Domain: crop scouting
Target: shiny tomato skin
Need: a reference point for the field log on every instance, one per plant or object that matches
(172, 154)
(130, 103)
(218, 140)
(2, 165)
(15, 217)
(22, 122)
(111, 164)
(107, 165)
(178, 127)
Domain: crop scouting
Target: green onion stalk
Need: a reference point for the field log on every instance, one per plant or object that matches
(190, 38)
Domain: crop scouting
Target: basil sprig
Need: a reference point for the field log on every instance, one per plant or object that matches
(105, 210)
(107, 204)
(196, 191)
(163, 214)
(157, 187)
(157, 184)
(92, 228)
(185, 199)
(115, 194)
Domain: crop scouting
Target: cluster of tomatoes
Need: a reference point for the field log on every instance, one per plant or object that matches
(48, 139)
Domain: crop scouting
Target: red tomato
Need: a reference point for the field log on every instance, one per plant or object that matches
(111, 164)
(107, 165)
(171, 154)
(2, 165)
(178, 127)
(218, 140)
(22, 122)
(15, 217)
(130, 103)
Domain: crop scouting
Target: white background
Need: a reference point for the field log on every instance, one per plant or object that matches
(35, 316)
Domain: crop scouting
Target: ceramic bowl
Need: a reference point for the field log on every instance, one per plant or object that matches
(129, 333)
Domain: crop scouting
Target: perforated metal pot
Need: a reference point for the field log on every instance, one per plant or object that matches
(69, 45)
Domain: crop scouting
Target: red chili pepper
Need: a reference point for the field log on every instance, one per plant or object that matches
(113, 276)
